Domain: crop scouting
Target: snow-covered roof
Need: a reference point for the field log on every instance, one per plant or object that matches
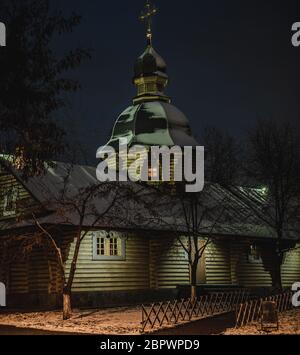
(152, 123)
(135, 206)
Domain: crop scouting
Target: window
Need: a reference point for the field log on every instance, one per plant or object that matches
(254, 254)
(100, 246)
(10, 202)
(114, 247)
(108, 246)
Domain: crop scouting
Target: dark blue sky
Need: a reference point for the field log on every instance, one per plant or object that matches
(229, 62)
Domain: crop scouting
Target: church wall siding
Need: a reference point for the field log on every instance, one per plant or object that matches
(217, 263)
(290, 270)
(249, 274)
(18, 278)
(24, 200)
(111, 275)
(157, 263)
(33, 273)
(227, 262)
(169, 265)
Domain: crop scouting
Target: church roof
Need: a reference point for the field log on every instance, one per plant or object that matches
(132, 212)
(152, 123)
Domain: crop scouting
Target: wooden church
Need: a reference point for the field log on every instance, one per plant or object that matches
(118, 265)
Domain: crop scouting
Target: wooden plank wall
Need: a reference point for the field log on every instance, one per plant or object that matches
(159, 262)
(13, 268)
(227, 262)
(246, 273)
(7, 182)
(36, 272)
(169, 265)
(112, 275)
(18, 278)
(291, 268)
(217, 263)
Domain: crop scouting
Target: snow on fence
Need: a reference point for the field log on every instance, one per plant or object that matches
(173, 312)
(251, 311)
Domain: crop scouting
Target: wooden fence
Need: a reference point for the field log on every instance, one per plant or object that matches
(251, 311)
(173, 312)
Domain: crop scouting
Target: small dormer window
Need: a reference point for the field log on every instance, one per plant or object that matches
(10, 202)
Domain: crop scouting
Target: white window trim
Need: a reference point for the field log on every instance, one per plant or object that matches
(7, 213)
(104, 234)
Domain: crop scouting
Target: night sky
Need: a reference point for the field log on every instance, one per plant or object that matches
(229, 62)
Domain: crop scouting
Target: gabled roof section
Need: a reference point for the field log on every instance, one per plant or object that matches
(48, 187)
(132, 211)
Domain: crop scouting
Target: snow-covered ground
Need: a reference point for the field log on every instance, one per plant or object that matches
(111, 321)
(123, 321)
(289, 323)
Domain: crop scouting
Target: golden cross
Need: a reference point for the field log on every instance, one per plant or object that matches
(146, 15)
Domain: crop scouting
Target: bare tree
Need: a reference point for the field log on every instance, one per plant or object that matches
(84, 209)
(201, 217)
(197, 219)
(206, 212)
(222, 157)
(79, 204)
(273, 169)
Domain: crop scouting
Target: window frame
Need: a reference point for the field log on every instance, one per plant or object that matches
(251, 259)
(107, 236)
(11, 193)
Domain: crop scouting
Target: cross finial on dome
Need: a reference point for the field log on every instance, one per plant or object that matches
(149, 11)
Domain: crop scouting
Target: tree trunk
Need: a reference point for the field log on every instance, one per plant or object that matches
(272, 262)
(277, 281)
(193, 292)
(279, 255)
(67, 308)
(193, 278)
